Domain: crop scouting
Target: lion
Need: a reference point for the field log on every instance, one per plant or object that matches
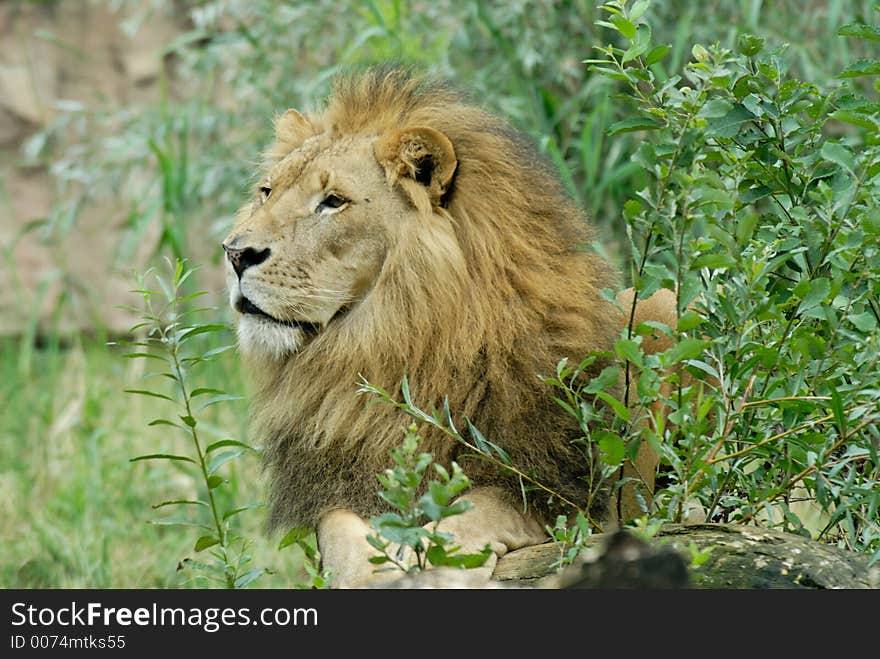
(403, 229)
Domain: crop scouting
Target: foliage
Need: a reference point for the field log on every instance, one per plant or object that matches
(408, 537)
(319, 577)
(760, 213)
(170, 338)
(475, 441)
(569, 538)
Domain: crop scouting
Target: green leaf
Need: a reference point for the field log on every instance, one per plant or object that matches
(147, 355)
(204, 390)
(859, 31)
(838, 154)
(689, 320)
(613, 74)
(689, 348)
(619, 408)
(221, 459)
(700, 53)
(630, 351)
(749, 45)
(188, 420)
(294, 536)
(634, 124)
(638, 9)
(165, 422)
(611, 445)
(817, 293)
(502, 454)
(713, 260)
(216, 351)
(608, 377)
(404, 389)
(478, 438)
(191, 297)
(652, 328)
(447, 416)
(228, 442)
(837, 410)
(179, 502)
(144, 392)
(163, 456)
(729, 125)
(213, 400)
(625, 27)
(241, 509)
(206, 541)
(856, 119)
(377, 542)
(640, 43)
(438, 556)
(863, 67)
(656, 54)
(178, 522)
(745, 227)
(865, 322)
(249, 576)
(200, 329)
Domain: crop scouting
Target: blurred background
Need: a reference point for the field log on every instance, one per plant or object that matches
(130, 131)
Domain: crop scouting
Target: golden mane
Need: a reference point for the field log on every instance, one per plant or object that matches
(477, 321)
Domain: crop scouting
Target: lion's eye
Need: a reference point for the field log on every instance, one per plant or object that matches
(332, 202)
(265, 191)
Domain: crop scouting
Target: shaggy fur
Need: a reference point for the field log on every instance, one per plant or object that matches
(521, 293)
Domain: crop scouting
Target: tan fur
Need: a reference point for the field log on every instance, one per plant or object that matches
(459, 262)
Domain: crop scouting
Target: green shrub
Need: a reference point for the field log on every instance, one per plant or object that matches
(761, 213)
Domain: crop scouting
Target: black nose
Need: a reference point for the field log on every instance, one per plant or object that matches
(242, 259)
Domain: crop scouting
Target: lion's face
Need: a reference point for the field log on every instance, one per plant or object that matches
(308, 250)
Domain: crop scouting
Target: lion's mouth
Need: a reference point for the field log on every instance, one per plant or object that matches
(245, 306)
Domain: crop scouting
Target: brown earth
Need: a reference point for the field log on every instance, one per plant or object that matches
(77, 52)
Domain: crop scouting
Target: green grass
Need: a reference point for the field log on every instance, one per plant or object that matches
(74, 512)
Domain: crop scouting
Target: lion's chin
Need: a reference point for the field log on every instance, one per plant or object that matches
(265, 337)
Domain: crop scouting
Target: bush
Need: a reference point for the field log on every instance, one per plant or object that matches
(760, 212)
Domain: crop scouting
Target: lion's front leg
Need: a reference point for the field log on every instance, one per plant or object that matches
(342, 541)
(495, 522)
(492, 521)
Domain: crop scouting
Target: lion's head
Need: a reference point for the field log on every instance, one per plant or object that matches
(404, 229)
(333, 217)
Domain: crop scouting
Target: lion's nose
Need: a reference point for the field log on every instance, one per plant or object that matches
(242, 259)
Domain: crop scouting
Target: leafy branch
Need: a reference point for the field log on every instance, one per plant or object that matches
(488, 450)
(169, 337)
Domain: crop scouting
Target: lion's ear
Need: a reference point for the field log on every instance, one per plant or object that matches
(292, 129)
(421, 159)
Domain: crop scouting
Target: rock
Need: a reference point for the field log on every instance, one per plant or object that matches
(627, 562)
(740, 557)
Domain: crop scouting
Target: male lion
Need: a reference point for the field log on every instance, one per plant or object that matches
(405, 230)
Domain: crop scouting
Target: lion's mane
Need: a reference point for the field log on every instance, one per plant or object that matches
(480, 333)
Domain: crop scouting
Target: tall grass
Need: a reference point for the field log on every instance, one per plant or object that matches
(74, 512)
